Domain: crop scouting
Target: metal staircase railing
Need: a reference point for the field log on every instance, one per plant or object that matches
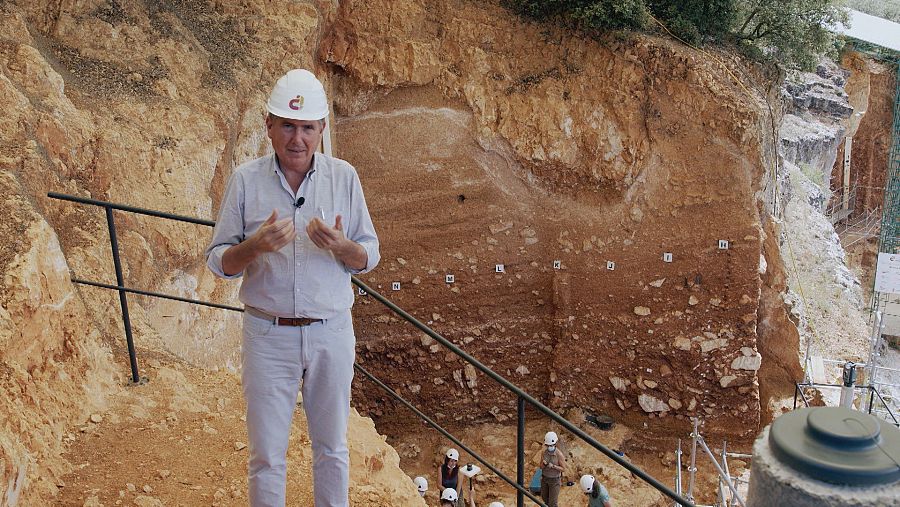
(523, 398)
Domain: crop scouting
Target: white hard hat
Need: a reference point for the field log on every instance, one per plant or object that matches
(587, 483)
(421, 484)
(550, 438)
(449, 494)
(298, 95)
(453, 454)
(495, 504)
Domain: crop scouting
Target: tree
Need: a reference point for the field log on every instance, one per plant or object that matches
(696, 21)
(588, 15)
(793, 32)
(796, 31)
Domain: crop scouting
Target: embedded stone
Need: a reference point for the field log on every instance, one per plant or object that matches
(727, 380)
(708, 345)
(682, 343)
(618, 384)
(747, 362)
(693, 300)
(652, 404)
(641, 310)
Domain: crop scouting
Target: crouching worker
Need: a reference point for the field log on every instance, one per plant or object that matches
(294, 224)
(596, 493)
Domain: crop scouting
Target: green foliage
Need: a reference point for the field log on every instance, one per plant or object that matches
(696, 21)
(887, 9)
(792, 32)
(796, 30)
(587, 15)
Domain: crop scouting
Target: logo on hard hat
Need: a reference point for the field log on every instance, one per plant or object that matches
(297, 103)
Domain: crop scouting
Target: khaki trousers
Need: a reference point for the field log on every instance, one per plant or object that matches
(550, 490)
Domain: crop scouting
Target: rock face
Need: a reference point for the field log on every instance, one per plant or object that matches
(481, 141)
(55, 368)
(814, 122)
(475, 133)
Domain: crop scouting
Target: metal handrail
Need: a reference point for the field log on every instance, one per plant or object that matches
(447, 434)
(522, 395)
(873, 392)
(525, 396)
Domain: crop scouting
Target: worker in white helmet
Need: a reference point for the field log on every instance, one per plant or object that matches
(450, 498)
(448, 474)
(294, 224)
(597, 494)
(553, 465)
(421, 485)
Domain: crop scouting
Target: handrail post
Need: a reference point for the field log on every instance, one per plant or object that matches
(123, 299)
(520, 452)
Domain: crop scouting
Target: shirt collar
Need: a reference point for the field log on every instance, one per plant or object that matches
(276, 166)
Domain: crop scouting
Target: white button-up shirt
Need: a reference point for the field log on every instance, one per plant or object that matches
(300, 279)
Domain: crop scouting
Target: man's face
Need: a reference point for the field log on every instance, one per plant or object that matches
(294, 141)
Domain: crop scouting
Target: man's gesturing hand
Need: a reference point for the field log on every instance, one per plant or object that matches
(345, 250)
(328, 238)
(274, 234)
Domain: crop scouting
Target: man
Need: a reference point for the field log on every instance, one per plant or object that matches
(295, 225)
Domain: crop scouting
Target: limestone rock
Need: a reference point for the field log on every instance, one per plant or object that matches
(148, 501)
(471, 378)
(682, 343)
(652, 404)
(727, 380)
(693, 300)
(619, 384)
(641, 310)
(747, 362)
(709, 345)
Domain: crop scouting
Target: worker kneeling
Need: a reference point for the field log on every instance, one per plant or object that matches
(596, 493)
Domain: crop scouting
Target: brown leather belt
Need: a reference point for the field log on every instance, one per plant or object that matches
(281, 321)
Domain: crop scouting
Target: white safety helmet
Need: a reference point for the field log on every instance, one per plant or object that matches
(450, 495)
(587, 483)
(453, 454)
(495, 504)
(550, 438)
(421, 484)
(298, 95)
